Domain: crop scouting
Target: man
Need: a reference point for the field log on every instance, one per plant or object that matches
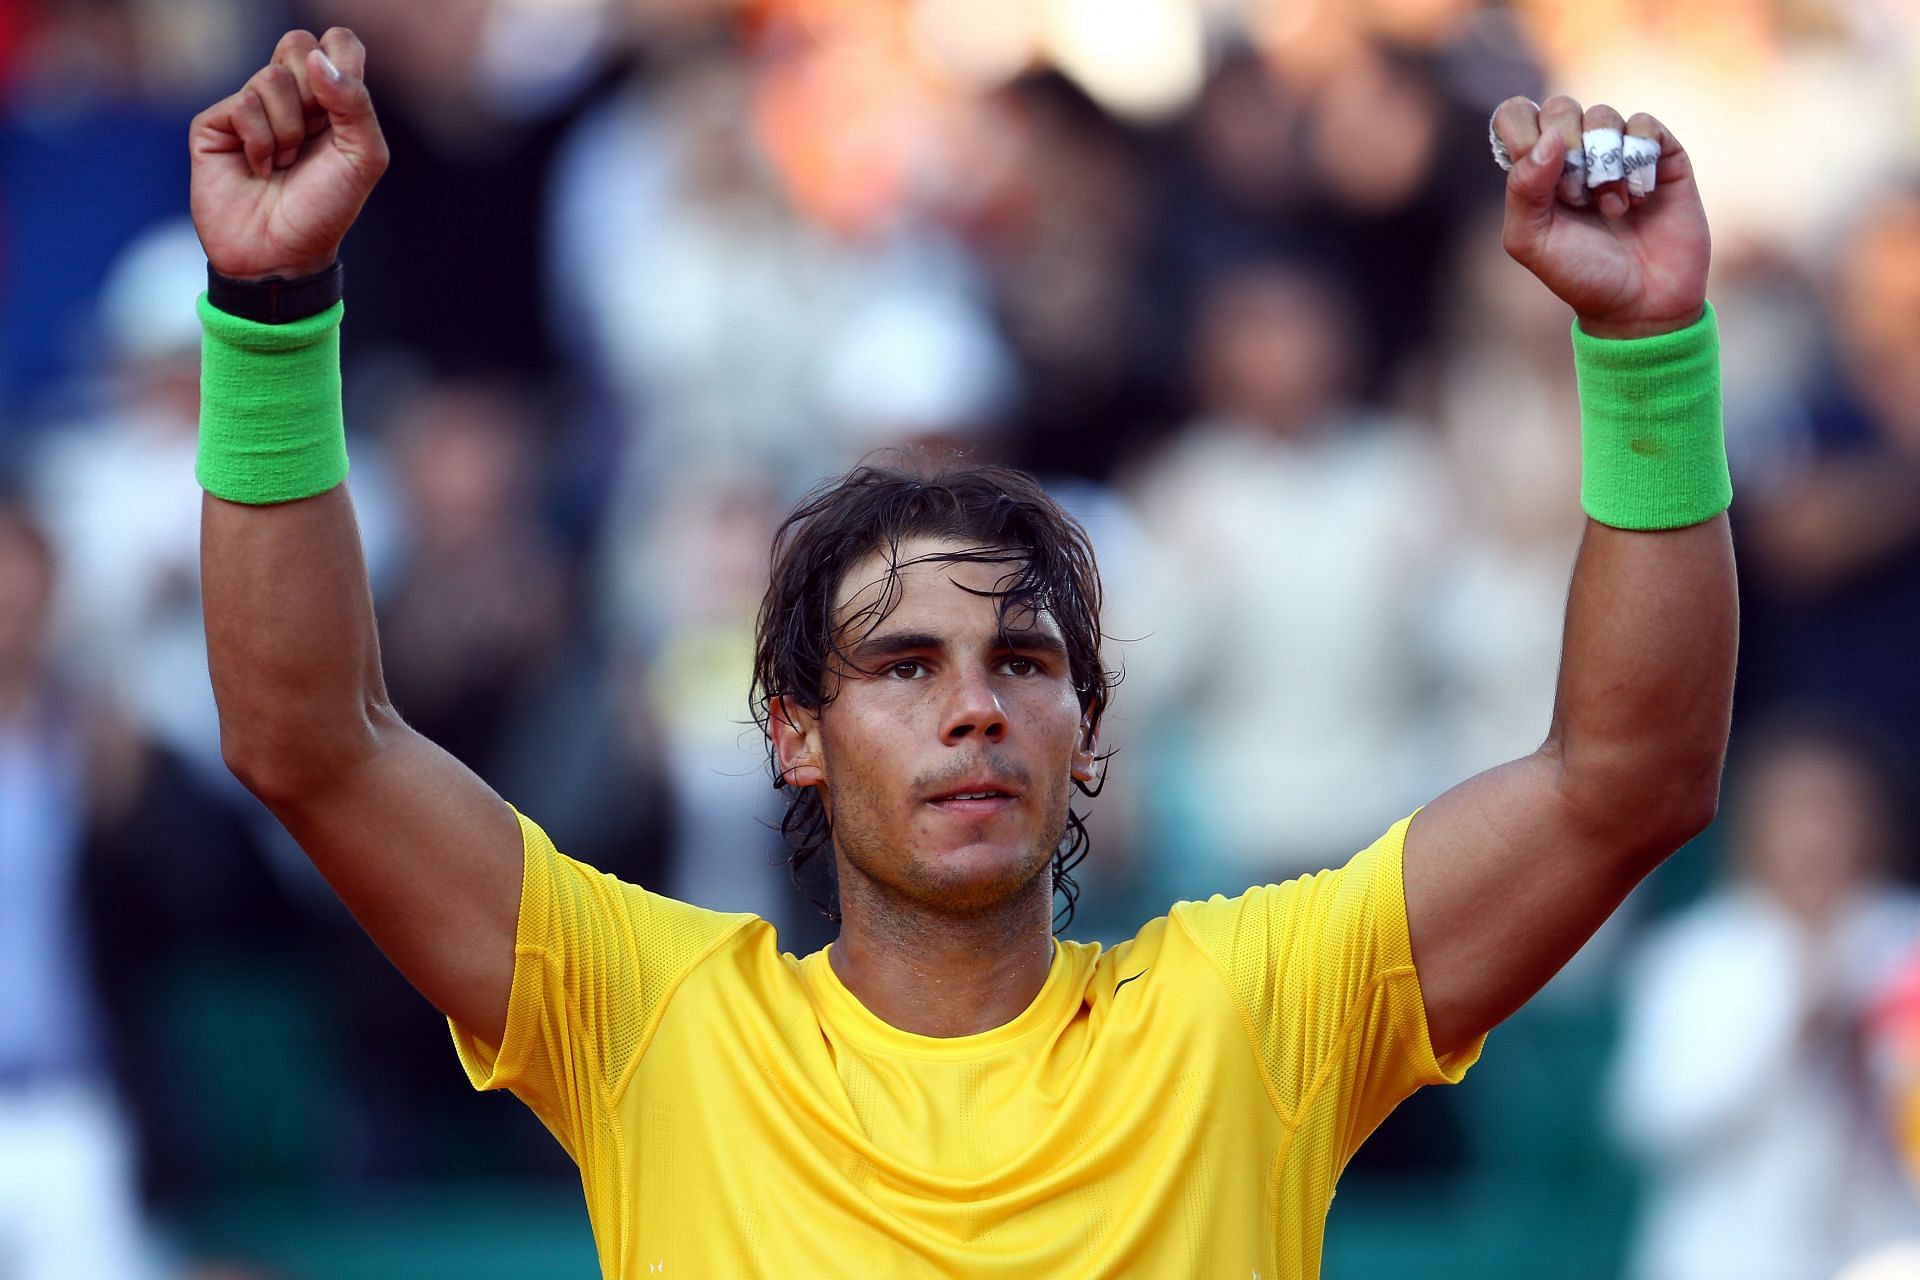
(68, 1205)
(1742, 1080)
(946, 1090)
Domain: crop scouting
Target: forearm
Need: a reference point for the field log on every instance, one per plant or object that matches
(291, 643)
(290, 631)
(1646, 681)
(1509, 873)
(420, 850)
(1646, 678)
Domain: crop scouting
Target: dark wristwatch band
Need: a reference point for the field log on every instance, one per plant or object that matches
(276, 299)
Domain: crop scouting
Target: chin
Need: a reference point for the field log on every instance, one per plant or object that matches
(950, 871)
(974, 877)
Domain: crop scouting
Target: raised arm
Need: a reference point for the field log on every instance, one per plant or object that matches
(426, 857)
(1510, 872)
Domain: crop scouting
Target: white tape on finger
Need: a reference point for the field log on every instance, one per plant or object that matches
(1604, 155)
(1573, 177)
(1640, 157)
(1604, 162)
(1501, 156)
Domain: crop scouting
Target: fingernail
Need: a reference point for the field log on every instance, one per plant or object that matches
(1612, 205)
(326, 65)
(1543, 149)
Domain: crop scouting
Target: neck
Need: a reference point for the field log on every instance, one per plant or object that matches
(941, 975)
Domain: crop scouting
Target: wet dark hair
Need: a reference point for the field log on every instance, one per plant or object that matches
(1005, 518)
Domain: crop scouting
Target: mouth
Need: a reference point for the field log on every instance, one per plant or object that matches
(974, 800)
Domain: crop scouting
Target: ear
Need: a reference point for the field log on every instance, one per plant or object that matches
(1086, 756)
(795, 731)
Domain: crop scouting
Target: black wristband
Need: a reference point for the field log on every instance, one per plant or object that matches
(276, 299)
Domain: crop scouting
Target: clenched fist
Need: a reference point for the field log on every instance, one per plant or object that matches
(281, 168)
(1629, 265)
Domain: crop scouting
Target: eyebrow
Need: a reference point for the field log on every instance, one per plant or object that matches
(876, 650)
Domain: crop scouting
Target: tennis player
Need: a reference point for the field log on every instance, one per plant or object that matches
(947, 1090)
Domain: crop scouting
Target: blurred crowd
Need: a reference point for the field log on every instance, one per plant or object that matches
(1225, 274)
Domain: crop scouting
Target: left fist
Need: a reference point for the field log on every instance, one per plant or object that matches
(1629, 265)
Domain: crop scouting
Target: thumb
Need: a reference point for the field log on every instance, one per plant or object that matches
(349, 108)
(1531, 185)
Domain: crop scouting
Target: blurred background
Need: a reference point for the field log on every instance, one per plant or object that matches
(1226, 274)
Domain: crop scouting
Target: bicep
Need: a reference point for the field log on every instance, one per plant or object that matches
(1505, 881)
(429, 861)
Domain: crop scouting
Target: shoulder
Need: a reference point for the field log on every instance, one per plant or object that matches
(1218, 918)
(565, 900)
(739, 965)
(1368, 881)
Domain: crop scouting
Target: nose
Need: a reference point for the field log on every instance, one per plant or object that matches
(974, 711)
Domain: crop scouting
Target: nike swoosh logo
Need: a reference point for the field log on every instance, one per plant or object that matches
(1124, 981)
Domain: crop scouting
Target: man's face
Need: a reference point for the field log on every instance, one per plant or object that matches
(946, 752)
(1813, 834)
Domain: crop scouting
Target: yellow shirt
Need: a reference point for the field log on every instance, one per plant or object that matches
(1179, 1105)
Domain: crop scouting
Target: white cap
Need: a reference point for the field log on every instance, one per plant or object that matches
(147, 303)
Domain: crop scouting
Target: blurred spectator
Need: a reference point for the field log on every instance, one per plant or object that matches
(1742, 1078)
(113, 485)
(111, 856)
(1353, 135)
(1299, 538)
(115, 489)
(1894, 1043)
(67, 1190)
(1510, 427)
(725, 324)
(95, 98)
(447, 265)
(1065, 233)
(480, 599)
(1832, 525)
(683, 587)
(1855, 60)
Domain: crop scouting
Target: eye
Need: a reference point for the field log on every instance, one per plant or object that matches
(1021, 666)
(905, 669)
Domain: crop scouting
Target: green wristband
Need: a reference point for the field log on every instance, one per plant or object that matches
(270, 423)
(1653, 453)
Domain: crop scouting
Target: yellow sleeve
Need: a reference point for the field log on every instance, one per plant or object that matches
(595, 961)
(1322, 969)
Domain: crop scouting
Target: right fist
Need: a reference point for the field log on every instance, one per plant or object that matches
(281, 168)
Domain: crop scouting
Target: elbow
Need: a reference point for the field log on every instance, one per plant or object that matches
(1664, 816)
(1675, 821)
(270, 777)
(1698, 811)
(281, 763)
(1681, 802)
(1649, 810)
